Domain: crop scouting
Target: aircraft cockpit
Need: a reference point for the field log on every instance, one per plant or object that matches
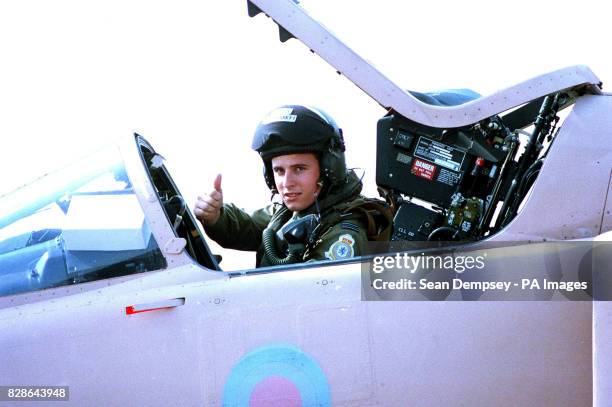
(80, 224)
(452, 184)
(176, 209)
(463, 183)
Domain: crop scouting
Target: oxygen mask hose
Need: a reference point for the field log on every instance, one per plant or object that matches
(268, 238)
(295, 250)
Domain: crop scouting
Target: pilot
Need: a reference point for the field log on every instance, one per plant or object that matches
(302, 149)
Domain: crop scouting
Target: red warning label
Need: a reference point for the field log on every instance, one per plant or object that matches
(423, 169)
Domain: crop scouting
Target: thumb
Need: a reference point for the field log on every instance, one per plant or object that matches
(217, 183)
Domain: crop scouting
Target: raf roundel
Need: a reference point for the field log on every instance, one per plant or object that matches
(275, 375)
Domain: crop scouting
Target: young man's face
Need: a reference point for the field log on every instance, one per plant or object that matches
(296, 176)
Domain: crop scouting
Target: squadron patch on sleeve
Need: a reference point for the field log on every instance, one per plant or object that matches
(342, 248)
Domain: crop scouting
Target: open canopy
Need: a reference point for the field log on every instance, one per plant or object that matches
(295, 22)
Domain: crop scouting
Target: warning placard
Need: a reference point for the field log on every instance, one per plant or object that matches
(423, 169)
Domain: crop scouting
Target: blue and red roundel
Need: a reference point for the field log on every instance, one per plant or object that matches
(279, 376)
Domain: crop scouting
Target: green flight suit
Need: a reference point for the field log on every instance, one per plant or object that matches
(236, 229)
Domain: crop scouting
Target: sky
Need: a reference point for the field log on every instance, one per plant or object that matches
(195, 77)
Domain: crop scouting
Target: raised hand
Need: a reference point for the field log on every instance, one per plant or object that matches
(208, 208)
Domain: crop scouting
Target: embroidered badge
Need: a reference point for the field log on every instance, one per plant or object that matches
(342, 248)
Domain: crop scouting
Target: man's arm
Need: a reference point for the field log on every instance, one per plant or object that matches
(236, 229)
(228, 225)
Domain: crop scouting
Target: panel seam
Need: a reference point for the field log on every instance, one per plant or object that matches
(603, 210)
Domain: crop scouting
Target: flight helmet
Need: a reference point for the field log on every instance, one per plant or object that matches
(294, 129)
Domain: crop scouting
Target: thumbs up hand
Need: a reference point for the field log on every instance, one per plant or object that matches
(208, 208)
